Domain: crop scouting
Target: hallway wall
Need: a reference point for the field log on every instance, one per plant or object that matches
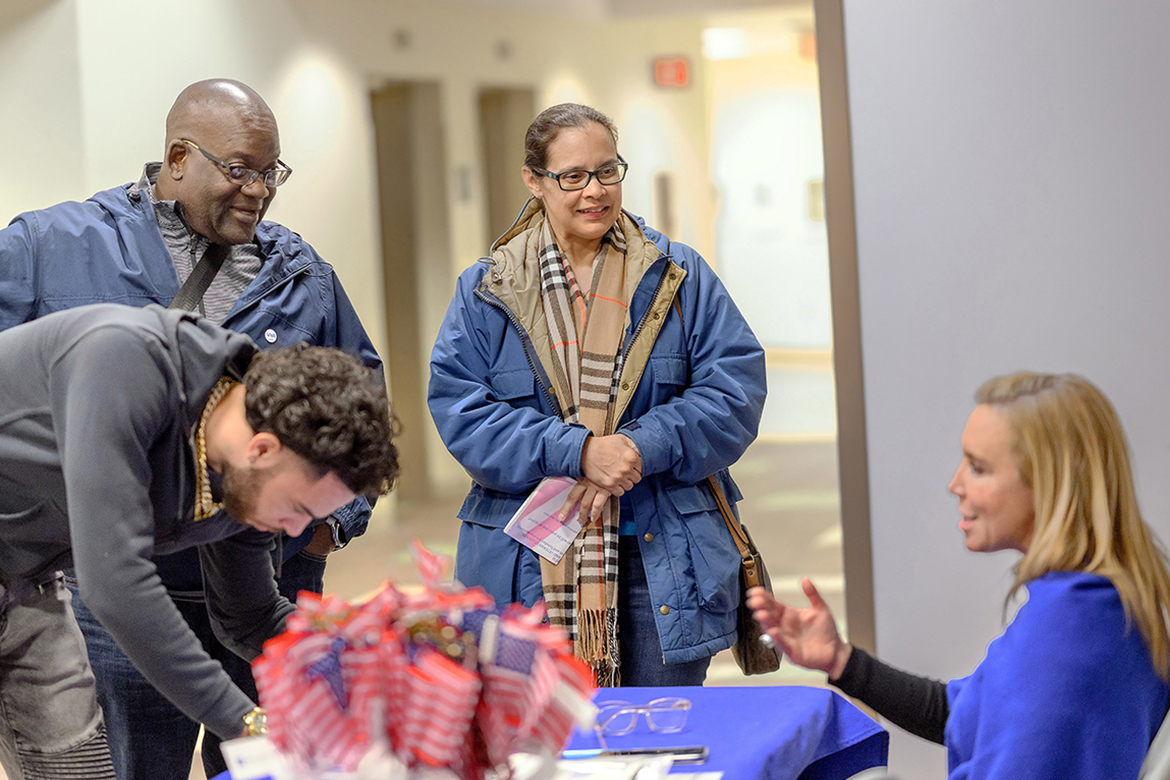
(1011, 176)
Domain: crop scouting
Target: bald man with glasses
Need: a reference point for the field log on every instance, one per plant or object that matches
(191, 234)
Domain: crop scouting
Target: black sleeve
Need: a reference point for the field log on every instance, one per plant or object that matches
(917, 704)
(245, 608)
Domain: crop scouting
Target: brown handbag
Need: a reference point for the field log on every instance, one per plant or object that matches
(752, 655)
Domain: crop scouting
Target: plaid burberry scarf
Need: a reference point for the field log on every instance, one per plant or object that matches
(585, 332)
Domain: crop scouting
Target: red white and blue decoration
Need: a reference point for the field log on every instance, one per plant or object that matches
(436, 677)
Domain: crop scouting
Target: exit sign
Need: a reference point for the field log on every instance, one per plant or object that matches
(672, 72)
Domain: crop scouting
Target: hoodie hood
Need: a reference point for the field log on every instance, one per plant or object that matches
(202, 353)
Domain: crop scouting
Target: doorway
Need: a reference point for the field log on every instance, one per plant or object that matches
(504, 116)
(412, 191)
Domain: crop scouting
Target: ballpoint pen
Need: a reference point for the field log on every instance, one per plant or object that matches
(691, 754)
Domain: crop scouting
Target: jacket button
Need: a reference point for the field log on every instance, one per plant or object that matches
(665, 610)
(654, 315)
(552, 390)
(625, 385)
(649, 537)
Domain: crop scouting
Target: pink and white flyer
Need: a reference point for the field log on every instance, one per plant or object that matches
(535, 524)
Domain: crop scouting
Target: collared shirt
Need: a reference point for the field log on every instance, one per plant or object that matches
(187, 247)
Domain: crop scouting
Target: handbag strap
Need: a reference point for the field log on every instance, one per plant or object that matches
(742, 542)
(191, 293)
(747, 549)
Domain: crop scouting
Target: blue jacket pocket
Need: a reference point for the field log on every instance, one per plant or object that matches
(669, 369)
(713, 553)
(510, 385)
(491, 508)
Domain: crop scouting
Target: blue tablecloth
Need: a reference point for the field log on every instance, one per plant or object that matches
(762, 732)
(759, 733)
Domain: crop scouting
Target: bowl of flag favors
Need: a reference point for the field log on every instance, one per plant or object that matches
(425, 681)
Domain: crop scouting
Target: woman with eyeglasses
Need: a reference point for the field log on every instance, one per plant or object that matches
(1076, 687)
(590, 346)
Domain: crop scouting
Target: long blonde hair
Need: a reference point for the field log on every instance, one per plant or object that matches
(1072, 453)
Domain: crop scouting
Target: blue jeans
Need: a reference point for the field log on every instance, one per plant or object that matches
(641, 652)
(50, 723)
(150, 739)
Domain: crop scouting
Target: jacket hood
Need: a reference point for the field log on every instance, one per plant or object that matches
(202, 353)
(118, 202)
(512, 252)
(274, 239)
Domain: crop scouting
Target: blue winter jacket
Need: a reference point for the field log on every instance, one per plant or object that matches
(692, 390)
(109, 249)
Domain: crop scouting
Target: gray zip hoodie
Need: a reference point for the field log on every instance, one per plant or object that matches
(97, 407)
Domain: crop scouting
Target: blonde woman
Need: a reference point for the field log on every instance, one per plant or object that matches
(1076, 687)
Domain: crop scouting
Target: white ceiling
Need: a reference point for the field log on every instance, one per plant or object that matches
(633, 8)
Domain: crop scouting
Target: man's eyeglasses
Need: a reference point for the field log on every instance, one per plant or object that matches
(665, 716)
(241, 176)
(579, 180)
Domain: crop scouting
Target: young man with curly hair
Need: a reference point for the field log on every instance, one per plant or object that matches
(123, 434)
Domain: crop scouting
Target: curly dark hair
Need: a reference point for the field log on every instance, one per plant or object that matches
(328, 408)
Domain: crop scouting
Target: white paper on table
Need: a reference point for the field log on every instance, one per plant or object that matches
(254, 758)
(535, 523)
(257, 758)
(616, 768)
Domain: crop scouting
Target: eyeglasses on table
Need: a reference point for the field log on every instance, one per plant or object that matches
(665, 716)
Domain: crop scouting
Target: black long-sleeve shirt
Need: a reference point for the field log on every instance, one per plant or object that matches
(917, 704)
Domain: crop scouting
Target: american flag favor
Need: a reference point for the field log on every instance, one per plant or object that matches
(437, 677)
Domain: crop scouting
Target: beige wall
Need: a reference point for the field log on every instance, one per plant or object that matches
(42, 148)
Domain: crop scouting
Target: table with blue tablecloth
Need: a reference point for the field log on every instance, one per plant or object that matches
(761, 732)
(757, 733)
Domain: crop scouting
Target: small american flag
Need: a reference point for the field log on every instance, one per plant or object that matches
(441, 697)
(432, 567)
(300, 680)
(328, 668)
(531, 677)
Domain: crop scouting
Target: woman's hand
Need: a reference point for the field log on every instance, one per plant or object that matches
(809, 636)
(611, 462)
(592, 500)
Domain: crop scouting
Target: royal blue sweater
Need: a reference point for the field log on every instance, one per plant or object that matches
(1068, 691)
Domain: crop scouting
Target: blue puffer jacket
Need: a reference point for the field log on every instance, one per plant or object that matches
(109, 249)
(692, 391)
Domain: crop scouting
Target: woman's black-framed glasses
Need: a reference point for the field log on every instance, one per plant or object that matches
(242, 176)
(579, 179)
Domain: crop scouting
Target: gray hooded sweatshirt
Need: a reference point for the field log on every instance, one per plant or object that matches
(97, 407)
